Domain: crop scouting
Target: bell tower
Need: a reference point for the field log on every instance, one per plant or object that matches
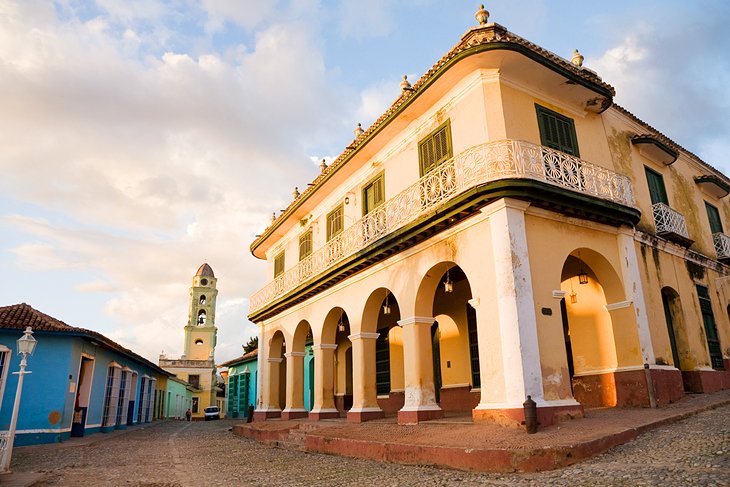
(200, 331)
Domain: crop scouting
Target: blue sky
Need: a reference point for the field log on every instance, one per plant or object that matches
(138, 139)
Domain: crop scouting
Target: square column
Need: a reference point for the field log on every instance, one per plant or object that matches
(420, 398)
(270, 407)
(634, 291)
(515, 306)
(294, 387)
(324, 386)
(364, 393)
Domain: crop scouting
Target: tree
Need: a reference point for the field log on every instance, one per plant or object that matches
(253, 344)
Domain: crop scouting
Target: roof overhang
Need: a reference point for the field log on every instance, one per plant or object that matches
(713, 185)
(654, 149)
(488, 47)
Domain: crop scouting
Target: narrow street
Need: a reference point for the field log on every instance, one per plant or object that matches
(694, 452)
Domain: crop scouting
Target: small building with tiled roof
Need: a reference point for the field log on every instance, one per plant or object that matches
(82, 381)
(240, 377)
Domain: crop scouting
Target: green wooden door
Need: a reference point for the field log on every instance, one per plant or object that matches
(714, 216)
(708, 319)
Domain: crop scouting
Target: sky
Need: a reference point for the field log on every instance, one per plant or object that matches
(141, 139)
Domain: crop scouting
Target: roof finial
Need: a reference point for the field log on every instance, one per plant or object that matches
(295, 193)
(577, 58)
(358, 131)
(482, 15)
(405, 85)
(273, 217)
(323, 166)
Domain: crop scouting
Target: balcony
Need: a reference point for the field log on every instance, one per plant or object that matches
(476, 166)
(670, 224)
(722, 246)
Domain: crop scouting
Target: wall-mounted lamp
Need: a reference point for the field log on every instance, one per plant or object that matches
(448, 284)
(582, 275)
(341, 323)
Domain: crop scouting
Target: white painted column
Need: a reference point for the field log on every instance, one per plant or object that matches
(259, 369)
(420, 392)
(635, 291)
(518, 340)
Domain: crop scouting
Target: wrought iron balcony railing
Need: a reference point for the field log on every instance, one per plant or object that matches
(722, 245)
(504, 159)
(669, 222)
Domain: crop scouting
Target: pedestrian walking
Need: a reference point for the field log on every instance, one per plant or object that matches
(188, 414)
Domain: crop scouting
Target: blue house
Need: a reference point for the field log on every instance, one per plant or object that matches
(81, 382)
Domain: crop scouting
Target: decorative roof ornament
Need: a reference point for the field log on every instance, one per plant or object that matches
(273, 217)
(482, 15)
(359, 131)
(295, 193)
(405, 85)
(577, 58)
(323, 166)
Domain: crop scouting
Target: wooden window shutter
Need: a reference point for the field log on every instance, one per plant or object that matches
(657, 191)
(714, 216)
(279, 264)
(557, 131)
(436, 148)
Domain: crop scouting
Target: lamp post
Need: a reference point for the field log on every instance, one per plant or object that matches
(26, 346)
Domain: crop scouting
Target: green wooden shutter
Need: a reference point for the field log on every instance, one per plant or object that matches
(232, 396)
(305, 244)
(657, 192)
(714, 216)
(436, 148)
(708, 320)
(557, 131)
(334, 222)
(382, 363)
(279, 264)
(373, 194)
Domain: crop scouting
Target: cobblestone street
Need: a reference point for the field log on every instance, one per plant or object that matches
(695, 451)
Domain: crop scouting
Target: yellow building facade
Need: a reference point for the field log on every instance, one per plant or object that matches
(197, 365)
(504, 230)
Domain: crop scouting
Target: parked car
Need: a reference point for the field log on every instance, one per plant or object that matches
(212, 412)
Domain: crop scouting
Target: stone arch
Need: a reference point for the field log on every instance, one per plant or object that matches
(277, 370)
(296, 379)
(600, 330)
(676, 329)
(444, 294)
(381, 314)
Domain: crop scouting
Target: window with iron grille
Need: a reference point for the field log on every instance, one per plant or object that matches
(708, 319)
(305, 244)
(471, 322)
(557, 131)
(373, 194)
(111, 395)
(335, 222)
(382, 363)
(194, 380)
(435, 148)
(121, 410)
(279, 264)
(4, 354)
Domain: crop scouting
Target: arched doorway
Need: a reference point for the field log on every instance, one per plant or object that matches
(603, 353)
(296, 381)
(332, 369)
(675, 327)
(277, 374)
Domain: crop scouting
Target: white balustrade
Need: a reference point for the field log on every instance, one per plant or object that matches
(669, 221)
(722, 245)
(504, 159)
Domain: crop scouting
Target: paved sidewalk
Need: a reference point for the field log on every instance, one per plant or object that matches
(458, 443)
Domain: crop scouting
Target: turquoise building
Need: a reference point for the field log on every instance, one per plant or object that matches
(241, 383)
(81, 382)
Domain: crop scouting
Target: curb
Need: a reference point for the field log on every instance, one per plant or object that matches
(500, 460)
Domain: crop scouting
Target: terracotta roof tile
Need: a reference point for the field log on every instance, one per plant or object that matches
(243, 358)
(19, 316)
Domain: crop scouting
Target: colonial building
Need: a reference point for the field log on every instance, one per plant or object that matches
(81, 383)
(503, 230)
(197, 365)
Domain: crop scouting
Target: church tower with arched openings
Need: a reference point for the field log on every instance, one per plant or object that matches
(197, 365)
(200, 331)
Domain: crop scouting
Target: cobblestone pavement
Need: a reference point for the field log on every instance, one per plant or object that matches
(694, 452)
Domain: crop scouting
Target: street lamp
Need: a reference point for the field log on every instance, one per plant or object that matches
(26, 346)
